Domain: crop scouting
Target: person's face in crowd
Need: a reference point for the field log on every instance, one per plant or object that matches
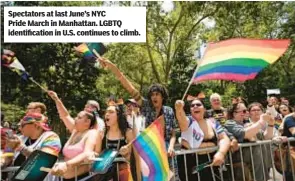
(240, 112)
(82, 122)
(197, 109)
(89, 108)
(216, 103)
(27, 128)
(285, 101)
(111, 117)
(33, 109)
(130, 107)
(255, 113)
(284, 110)
(273, 100)
(157, 99)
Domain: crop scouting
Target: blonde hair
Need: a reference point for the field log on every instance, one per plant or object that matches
(39, 105)
(215, 95)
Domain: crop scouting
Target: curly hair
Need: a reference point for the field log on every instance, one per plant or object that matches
(158, 88)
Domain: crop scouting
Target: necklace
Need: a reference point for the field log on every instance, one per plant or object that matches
(76, 138)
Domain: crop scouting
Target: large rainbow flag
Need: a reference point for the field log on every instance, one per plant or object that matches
(238, 59)
(151, 148)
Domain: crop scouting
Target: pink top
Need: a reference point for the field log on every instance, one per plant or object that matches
(71, 151)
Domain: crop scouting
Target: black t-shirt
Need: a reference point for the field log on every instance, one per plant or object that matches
(289, 123)
(21, 158)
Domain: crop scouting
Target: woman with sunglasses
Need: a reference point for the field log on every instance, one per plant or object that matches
(40, 137)
(245, 132)
(198, 132)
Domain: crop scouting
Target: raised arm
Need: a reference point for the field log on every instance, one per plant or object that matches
(252, 130)
(124, 81)
(180, 115)
(62, 111)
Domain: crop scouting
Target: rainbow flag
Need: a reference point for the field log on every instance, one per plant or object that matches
(14, 64)
(238, 59)
(151, 148)
(84, 50)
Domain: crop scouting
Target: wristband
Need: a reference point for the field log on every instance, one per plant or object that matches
(270, 125)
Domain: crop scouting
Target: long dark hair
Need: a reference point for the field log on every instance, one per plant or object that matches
(122, 120)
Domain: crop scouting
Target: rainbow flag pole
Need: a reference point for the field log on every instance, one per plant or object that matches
(237, 59)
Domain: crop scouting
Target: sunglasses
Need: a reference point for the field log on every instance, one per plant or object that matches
(196, 104)
(243, 111)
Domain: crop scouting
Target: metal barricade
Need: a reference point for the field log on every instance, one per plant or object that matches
(259, 161)
(265, 160)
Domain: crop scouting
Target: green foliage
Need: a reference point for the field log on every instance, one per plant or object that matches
(13, 113)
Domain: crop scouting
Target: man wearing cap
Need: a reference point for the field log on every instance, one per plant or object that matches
(35, 127)
(134, 118)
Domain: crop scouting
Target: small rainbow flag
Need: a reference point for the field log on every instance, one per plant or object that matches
(14, 64)
(238, 59)
(151, 148)
(84, 50)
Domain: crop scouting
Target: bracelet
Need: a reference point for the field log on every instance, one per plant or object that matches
(270, 125)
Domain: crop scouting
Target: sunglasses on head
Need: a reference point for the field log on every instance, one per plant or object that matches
(243, 111)
(196, 104)
(24, 124)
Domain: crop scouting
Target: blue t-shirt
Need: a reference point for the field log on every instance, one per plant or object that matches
(289, 123)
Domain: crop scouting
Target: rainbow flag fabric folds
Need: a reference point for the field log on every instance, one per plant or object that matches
(238, 59)
(151, 148)
(84, 50)
(14, 64)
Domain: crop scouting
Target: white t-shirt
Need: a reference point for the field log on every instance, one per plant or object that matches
(194, 134)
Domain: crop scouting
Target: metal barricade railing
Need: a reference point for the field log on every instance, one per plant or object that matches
(257, 161)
